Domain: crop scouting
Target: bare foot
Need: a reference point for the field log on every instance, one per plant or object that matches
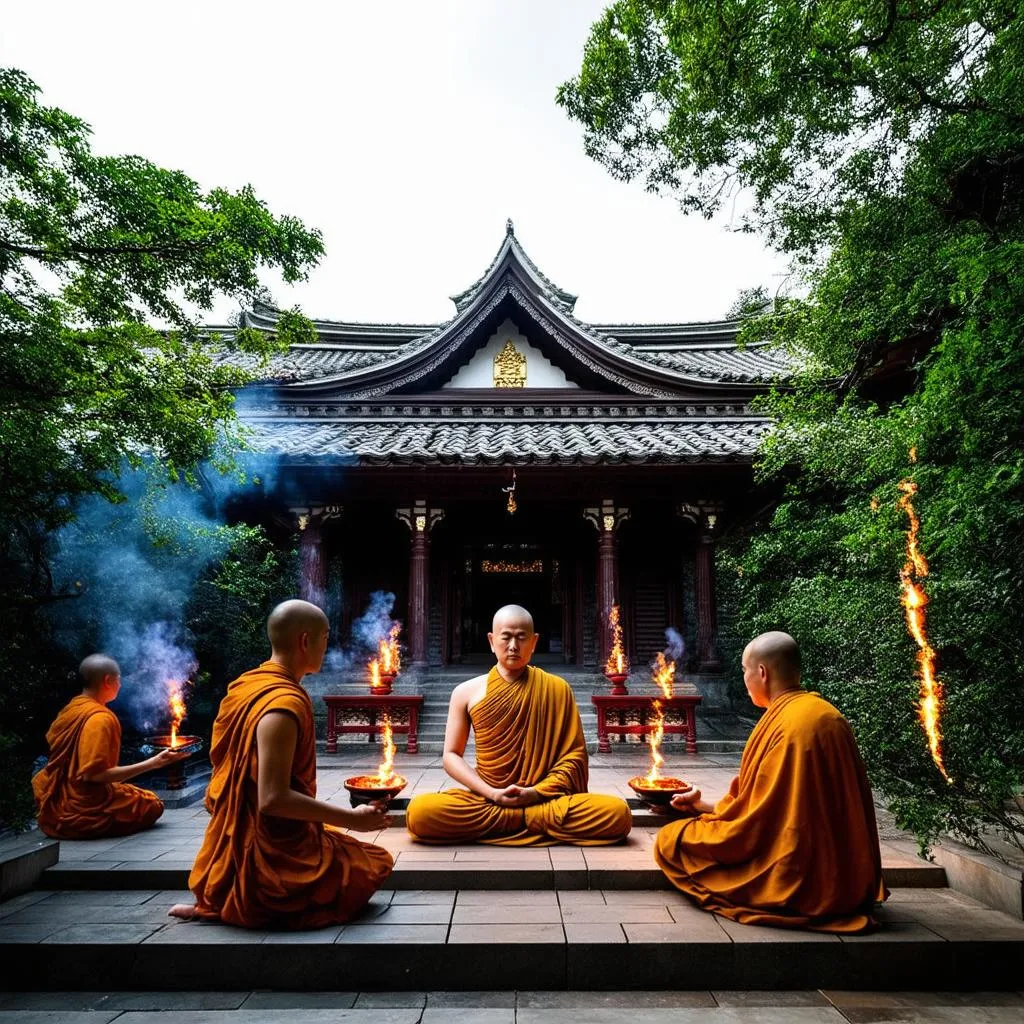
(186, 911)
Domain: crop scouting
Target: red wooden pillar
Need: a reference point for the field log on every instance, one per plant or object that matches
(313, 576)
(607, 519)
(420, 519)
(705, 516)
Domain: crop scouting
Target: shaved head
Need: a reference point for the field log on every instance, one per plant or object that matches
(96, 668)
(779, 652)
(289, 620)
(512, 615)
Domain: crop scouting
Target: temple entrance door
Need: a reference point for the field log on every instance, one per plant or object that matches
(525, 580)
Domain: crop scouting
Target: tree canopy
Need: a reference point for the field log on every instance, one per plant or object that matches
(881, 144)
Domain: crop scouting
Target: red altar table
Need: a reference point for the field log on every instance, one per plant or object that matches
(374, 706)
(611, 717)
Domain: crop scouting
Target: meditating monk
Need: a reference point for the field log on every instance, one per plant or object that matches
(529, 787)
(794, 843)
(81, 793)
(273, 855)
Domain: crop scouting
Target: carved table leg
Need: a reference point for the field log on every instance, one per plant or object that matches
(691, 730)
(332, 730)
(603, 747)
(411, 741)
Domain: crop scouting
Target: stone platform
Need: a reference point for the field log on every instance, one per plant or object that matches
(467, 918)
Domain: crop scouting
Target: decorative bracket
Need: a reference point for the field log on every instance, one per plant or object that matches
(703, 514)
(608, 518)
(420, 518)
(304, 515)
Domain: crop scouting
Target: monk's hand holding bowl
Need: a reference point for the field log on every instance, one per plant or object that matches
(369, 817)
(516, 796)
(168, 756)
(689, 802)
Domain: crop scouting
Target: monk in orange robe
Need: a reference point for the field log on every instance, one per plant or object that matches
(82, 792)
(794, 843)
(273, 855)
(529, 787)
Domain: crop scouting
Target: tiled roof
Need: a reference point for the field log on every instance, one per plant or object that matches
(424, 442)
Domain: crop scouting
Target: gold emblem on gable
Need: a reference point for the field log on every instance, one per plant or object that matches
(510, 367)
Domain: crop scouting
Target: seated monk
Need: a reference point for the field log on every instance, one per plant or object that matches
(82, 792)
(273, 855)
(529, 787)
(794, 843)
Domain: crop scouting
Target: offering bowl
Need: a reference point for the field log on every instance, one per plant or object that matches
(363, 789)
(657, 794)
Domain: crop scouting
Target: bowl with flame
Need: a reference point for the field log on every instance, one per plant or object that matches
(186, 744)
(363, 789)
(657, 793)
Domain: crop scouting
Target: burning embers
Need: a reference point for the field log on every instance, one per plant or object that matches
(386, 666)
(914, 599)
(176, 705)
(654, 787)
(616, 669)
(174, 740)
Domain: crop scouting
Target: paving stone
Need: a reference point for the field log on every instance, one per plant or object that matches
(612, 1000)
(476, 1015)
(409, 1015)
(845, 1000)
(437, 897)
(189, 933)
(523, 898)
(122, 898)
(505, 913)
(22, 902)
(102, 934)
(582, 898)
(622, 913)
(897, 931)
(57, 1016)
(496, 934)
(471, 1000)
(393, 933)
(936, 1015)
(761, 933)
(756, 998)
(318, 937)
(390, 1000)
(300, 1000)
(576, 932)
(686, 1015)
(423, 913)
(25, 933)
(679, 932)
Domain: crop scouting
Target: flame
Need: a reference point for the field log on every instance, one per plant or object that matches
(617, 664)
(914, 600)
(386, 769)
(655, 742)
(390, 655)
(663, 673)
(176, 704)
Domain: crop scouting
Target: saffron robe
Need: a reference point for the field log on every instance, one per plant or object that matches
(85, 739)
(794, 843)
(257, 870)
(528, 733)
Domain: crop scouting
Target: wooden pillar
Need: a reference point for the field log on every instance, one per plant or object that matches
(420, 519)
(705, 516)
(313, 565)
(606, 519)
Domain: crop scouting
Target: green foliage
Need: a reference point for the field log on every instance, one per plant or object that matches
(882, 144)
(95, 250)
(227, 612)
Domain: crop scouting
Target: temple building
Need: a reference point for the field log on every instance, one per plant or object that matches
(514, 454)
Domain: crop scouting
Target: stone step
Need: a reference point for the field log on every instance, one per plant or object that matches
(463, 940)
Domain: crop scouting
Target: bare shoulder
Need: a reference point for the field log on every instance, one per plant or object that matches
(468, 693)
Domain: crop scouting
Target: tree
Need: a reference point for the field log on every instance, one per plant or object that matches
(881, 144)
(106, 263)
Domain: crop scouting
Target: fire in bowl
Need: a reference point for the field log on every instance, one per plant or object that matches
(186, 744)
(658, 793)
(363, 789)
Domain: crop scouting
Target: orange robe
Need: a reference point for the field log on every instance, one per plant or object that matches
(257, 870)
(529, 734)
(85, 739)
(794, 843)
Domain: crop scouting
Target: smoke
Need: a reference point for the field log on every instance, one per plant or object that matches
(674, 645)
(368, 630)
(134, 565)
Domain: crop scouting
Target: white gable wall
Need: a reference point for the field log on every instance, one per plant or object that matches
(479, 371)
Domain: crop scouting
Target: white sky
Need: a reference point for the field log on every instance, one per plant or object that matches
(407, 132)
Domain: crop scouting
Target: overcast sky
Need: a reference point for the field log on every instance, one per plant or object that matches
(405, 131)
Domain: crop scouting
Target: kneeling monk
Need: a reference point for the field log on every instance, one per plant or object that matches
(794, 843)
(530, 783)
(270, 857)
(81, 793)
